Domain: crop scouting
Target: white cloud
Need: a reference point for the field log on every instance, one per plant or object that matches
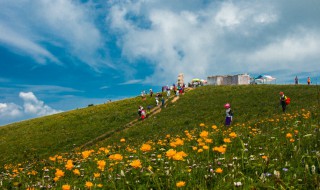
(219, 38)
(290, 52)
(26, 46)
(10, 110)
(135, 81)
(28, 26)
(32, 107)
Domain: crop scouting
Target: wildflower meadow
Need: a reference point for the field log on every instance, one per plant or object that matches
(183, 149)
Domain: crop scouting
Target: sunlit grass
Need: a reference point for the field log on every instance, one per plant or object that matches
(186, 146)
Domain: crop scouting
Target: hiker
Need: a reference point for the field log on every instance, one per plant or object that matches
(162, 102)
(229, 114)
(168, 91)
(151, 92)
(139, 110)
(149, 109)
(283, 103)
(143, 114)
(308, 80)
(157, 99)
(296, 80)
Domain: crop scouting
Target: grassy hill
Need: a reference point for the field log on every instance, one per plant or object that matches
(183, 146)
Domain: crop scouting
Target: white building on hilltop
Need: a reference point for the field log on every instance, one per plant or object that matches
(240, 79)
(180, 79)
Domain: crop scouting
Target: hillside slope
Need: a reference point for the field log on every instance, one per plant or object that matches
(42, 137)
(184, 145)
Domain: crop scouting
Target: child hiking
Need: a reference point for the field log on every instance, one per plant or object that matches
(284, 101)
(229, 114)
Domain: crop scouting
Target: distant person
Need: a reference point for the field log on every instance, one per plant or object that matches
(283, 103)
(162, 102)
(139, 110)
(149, 109)
(296, 80)
(151, 92)
(157, 100)
(309, 81)
(143, 114)
(229, 114)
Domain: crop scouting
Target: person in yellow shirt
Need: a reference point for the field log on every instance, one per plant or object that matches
(308, 80)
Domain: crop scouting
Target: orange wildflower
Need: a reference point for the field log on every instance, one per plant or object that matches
(145, 148)
(180, 184)
(136, 164)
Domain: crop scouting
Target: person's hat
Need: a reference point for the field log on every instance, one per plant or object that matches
(227, 105)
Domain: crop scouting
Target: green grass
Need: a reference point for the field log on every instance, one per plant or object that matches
(270, 150)
(42, 137)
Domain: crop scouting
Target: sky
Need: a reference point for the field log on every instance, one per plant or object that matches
(62, 55)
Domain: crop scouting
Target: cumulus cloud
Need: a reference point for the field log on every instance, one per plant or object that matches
(220, 37)
(10, 110)
(32, 107)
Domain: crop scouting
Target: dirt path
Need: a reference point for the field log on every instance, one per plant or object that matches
(153, 112)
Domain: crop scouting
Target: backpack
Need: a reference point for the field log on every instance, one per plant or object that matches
(288, 100)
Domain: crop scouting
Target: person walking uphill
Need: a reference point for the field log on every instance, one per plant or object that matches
(229, 114)
(283, 102)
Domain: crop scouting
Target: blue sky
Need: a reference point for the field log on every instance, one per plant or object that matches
(65, 54)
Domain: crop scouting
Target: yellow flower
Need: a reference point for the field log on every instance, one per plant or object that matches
(145, 148)
(96, 175)
(205, 147)
(177, 157)
(180, 184)
(220, 149)
(69, 165)
(200, 150)
(219, 170)
(33, 172)
(88, 184)
(76, 172)
(66, 187)
(194, 148)
(59, 173)
(170, 153)
(202, 125)
(86, 154)
(101, 164)
(208, 140)
(122, 140)
(292, 140)
(264, 157)
(296, 132)
(159, 156)
(233, 135)
(227, 140)
(214, 127)
(53, 159)
(100, 185)
(204, 134)
(55, 179)
(136, 164)
(118, 157)
(289, 135)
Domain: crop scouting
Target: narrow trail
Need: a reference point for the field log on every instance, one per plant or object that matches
(153, 111)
